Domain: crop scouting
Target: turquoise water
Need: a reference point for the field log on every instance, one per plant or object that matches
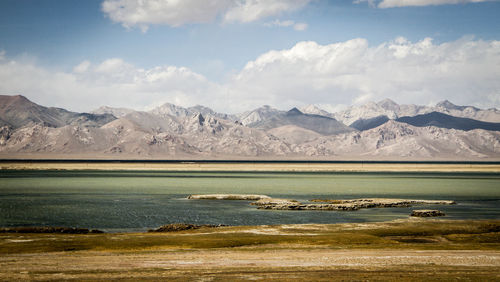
(136, 201)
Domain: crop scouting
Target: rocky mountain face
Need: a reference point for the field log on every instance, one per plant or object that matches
(263, 113)
(117, 112)
(489, 115)
(446, 121)
(319, 124)
(168, 109)
(315, 110)
(393, 111)
(173, 132)
(402, 141)
(366, 124)
(17, 111)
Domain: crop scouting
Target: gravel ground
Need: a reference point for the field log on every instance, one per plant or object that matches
(255, 263)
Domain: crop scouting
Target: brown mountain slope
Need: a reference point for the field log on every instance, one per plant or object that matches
(17, 111)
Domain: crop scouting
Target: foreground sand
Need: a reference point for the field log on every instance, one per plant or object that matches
(249, 167)
(413, 249)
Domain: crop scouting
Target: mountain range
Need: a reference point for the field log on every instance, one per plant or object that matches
(373, 131)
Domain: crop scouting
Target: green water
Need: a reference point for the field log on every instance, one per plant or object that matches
(133, 201)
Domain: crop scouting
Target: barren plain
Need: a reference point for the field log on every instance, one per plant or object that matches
(249, 166)
(405, 250)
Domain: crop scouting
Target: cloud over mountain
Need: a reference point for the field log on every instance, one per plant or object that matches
(113, 82)
(351, 72)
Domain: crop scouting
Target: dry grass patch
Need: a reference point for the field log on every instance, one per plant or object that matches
(421, 234)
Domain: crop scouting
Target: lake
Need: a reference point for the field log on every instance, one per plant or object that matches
(125, 201)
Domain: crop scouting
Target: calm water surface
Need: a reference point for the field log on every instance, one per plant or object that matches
(136, 201)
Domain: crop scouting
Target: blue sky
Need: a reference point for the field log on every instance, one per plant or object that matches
(54, 36)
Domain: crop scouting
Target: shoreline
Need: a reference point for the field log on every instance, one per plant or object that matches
(27, 230)
(412, 230)
(411, 249)
(243, 166)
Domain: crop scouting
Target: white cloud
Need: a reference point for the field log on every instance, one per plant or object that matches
(287, 23)
(415, 3)
(2, 55)
(112, 82)
(114, 65)
(280, 23)
(370, 2)
(404, 3)
(82, 67)
(251, 10)
(142, 13)
(300, 26)
(464, 71)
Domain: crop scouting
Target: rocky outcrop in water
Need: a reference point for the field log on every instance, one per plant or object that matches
(48, 229)
(344, 205)
(299, 206)
(174, 227)
(228, 197)
(286, 204)
(385, 202)
(427, 213)
(268, 203)
(274, 201)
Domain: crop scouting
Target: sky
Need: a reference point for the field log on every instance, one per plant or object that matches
(237, 55)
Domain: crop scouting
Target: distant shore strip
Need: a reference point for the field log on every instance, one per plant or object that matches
(251, 166)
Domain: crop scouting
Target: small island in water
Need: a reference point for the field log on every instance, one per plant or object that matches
(266, 202)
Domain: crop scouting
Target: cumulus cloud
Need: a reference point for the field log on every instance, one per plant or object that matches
(287, 23)
(404, 3)
(82, 67)
(112, 82)
(252, 10)
(141, 13)
(415, 3)
(464, 71)
(131, 13)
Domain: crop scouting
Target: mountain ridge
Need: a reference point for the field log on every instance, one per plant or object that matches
(438, 119)
(266, 133)
(17, 111)
(317, 123)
